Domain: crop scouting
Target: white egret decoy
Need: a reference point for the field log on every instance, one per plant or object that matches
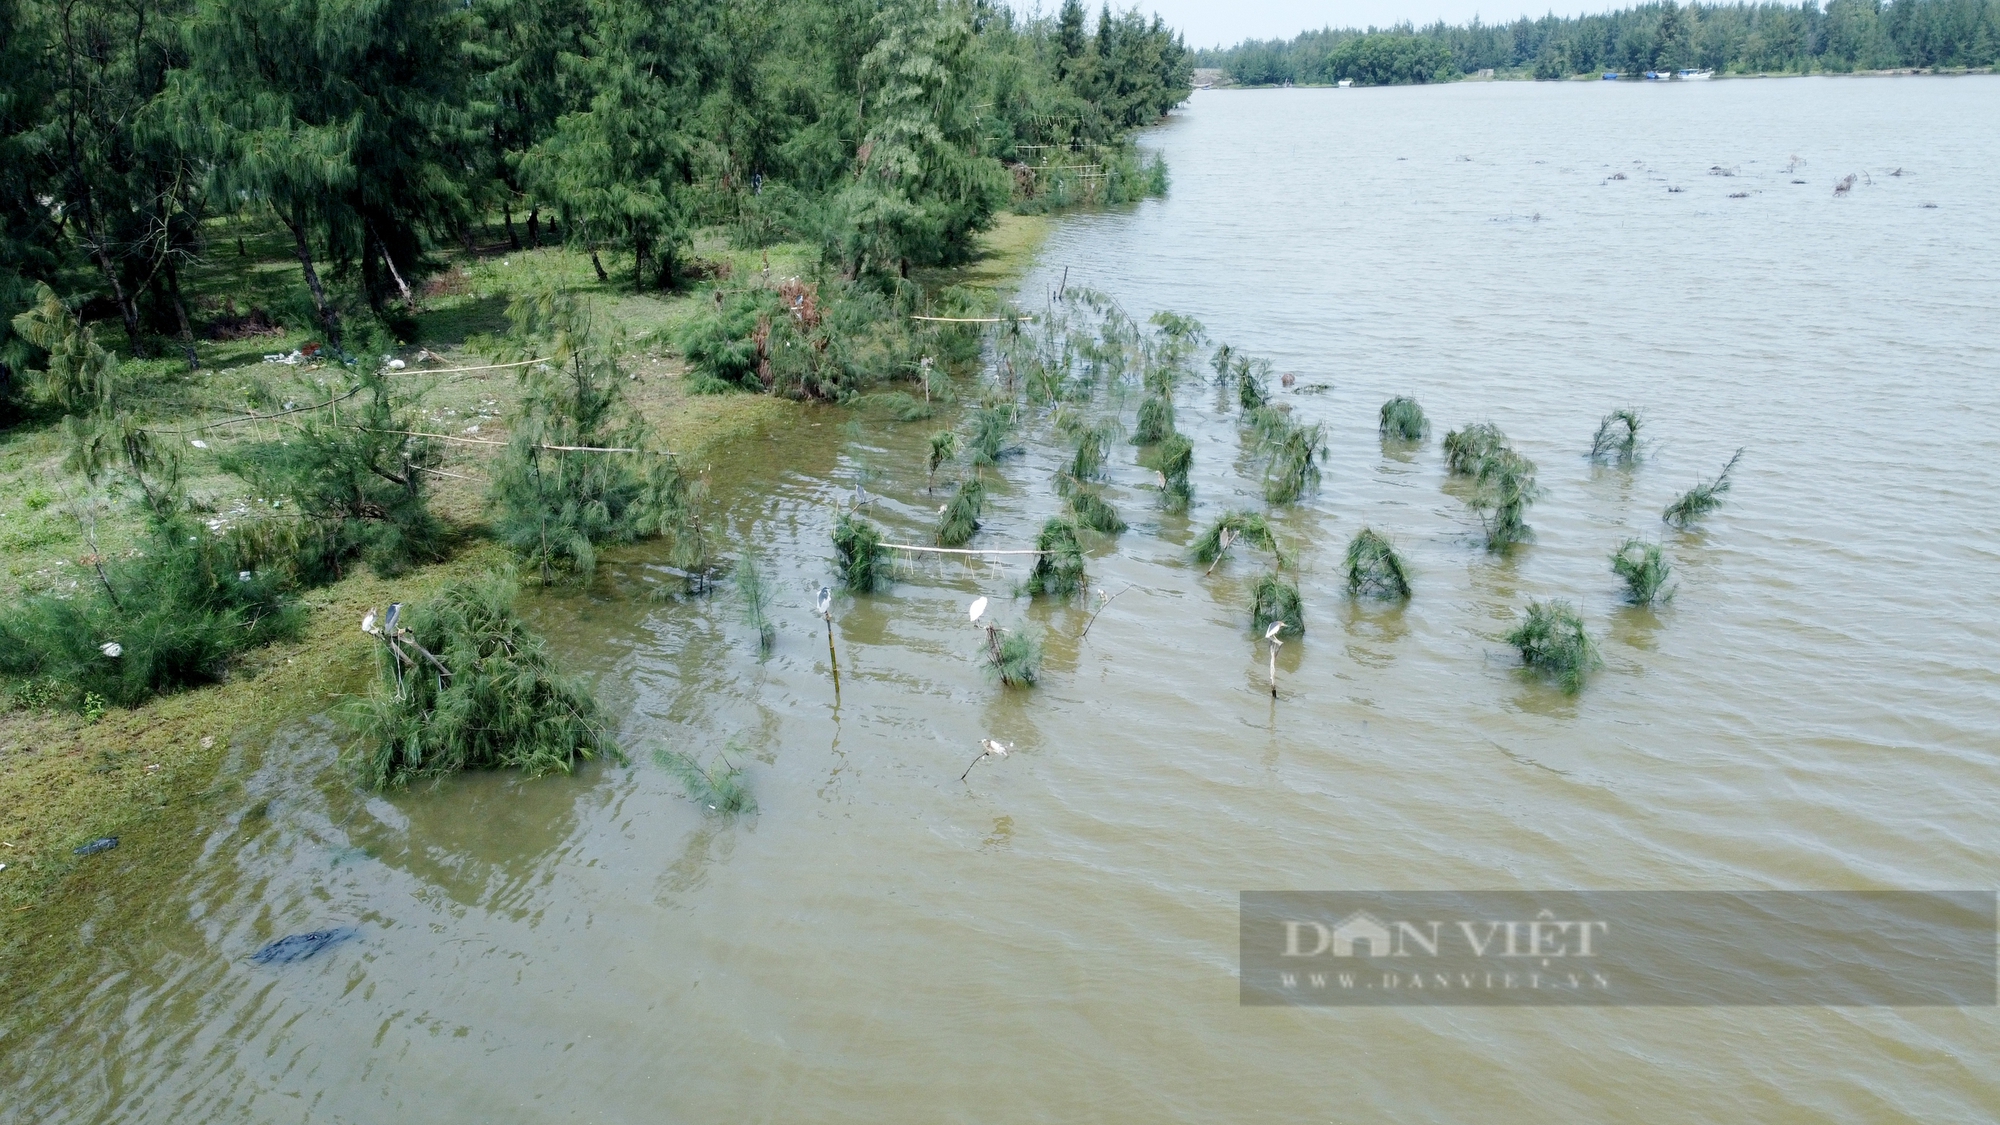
(1271, 635)
(368, 624)
(987, 749)
(977, 611)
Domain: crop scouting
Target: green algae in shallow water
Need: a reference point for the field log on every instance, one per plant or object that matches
(1403, 420)
(858, 555)
(1553, 642)
(1644, 568)
(497, 702)
(960, 518)
(1703, 498)
(1275, 599)
(1374, 569)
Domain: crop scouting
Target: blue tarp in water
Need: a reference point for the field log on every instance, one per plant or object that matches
(298, 947)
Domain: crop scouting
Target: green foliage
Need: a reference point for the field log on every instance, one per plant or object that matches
(1504, 488)
(1092, 444)
(1703, 498)
(355, 482)
(1467, 449)
(755, 593)
(1094, 512)
(1552, 641)
(1250, 391)
(497, 703)
(1293, 469)
(1374, 569)
(1403, 420)
(1241, 527)
(1156, 420)
(992, 427)
(724, 345)
(858, 555)
(76, 374)
(1644, 568)
(717, 787)
(1274, 599)
(180, 613)
(1617, 438)
(555, 499)
(1059, 568)
(1014, 656)
(944, 447)
(1174, 458)
(960, 517)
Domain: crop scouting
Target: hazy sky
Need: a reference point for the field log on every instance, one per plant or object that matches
(1208, 23)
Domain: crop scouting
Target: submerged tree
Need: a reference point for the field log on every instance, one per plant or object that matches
(1504, 489)
(858, 555)
(1174, 457)
(1467, 449)
(1275, 599)
(1617, 438)
(1059, 568)
(1552, 640)
(1374, 569)
(463, 683)
(1094, 511)
(992, 427)
(1233, 528)
(717, 787)
(1294, 466)
(756, 595)
(1644, 568)
(1156, 420)
(1703, 498)
(960, 518)
(1014, 655)
(1403, 420)
(944, 446)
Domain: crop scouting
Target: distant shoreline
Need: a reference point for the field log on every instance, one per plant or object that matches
(1213, 79)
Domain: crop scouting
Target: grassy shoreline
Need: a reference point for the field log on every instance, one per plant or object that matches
(154, 776)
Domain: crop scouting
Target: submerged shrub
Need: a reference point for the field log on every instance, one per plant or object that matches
(1014, 656)
(1250, 392)
(1403, 420)
(992, 426)
(1506, 486)
(1617, 438)
(1467, 449)
(1093, 443)
(944, 447)
(496, 702)
(1059, 568)
(1374, 569)
(756, 595)
(858, 555)
(1233, 528)
(1094, 512)
(1294, 466)
(1703, 498)
(1274, 599)
(960, 518)
(1644, 568)
(1156, 420)
(1552, 641)
(718, 787)
(1174, 457)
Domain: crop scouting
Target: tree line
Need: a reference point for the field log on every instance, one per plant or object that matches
(375, 135)
(1839, 37)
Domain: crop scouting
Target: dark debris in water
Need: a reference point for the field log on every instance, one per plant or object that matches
(101, 844)
(298, 947)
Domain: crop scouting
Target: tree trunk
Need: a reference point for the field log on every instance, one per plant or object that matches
(597, 264)
(402, 286)
(535, 228)
(181, 314)
(127, 307)
(329, 318)
(507, 216)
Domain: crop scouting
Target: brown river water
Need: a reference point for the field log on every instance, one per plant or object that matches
(1055, 939)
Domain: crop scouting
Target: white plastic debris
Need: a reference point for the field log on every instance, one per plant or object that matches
(396, 365)
(243, 576)
(198, 443)
(111, 649)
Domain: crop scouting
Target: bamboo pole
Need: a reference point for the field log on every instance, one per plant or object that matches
(959, 550)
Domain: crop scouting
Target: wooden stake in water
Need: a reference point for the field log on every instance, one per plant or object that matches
(1271, 635)
(826, 613)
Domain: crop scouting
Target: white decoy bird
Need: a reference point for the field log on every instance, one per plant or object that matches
(368, 623)
(987, 749)
(977, 611)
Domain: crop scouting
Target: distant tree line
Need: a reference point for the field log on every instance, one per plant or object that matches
(1842, 36)
(376, 134)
